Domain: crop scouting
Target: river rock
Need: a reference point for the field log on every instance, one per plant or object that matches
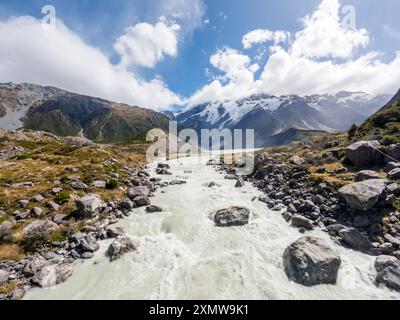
(163, 166)
(141, 201)
(85, 242)
(393, 240)
(52, 275)
(366, 175)
(390, 276)
(127, 204)
(177, 182)
(152, 209)
(232, 216)
(355, 240)
(89, 205)
(364, 153)
(123, 244)
(163, 171)
(363, 195)
(310, 261)
(383, 262)
(239, 183)
(299, 221)
(138, 191)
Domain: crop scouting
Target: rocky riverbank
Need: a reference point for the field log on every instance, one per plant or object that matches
(358, 208)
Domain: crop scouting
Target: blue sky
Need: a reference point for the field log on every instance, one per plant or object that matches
(212, 26)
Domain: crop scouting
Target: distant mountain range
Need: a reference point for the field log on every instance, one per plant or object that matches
(67, 114)
(279, 120)
(276, 120)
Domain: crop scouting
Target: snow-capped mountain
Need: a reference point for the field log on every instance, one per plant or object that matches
(272, 116)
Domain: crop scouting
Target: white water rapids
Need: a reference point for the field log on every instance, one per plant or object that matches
(182, 255)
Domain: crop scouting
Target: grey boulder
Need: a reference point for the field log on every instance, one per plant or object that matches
(232, 216)
(355, 240)
(39, 228)
(363, 153)
(89, 205)
(363, 195)
(299, 221)
(382, 262)
(52, 275)
(120, 246)
(138, 191)
(310, 261)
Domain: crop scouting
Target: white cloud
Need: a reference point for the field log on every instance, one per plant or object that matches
(321, 58)
(144, 44)
(324, 35)
(238, 74)
(59, 57)
(263, 35)
(189, 13)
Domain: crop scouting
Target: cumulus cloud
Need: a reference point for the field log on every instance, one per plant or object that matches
(144, 44)
(263, 35)
(59, 57)
(238, 74)
(325, 36)
(323, 57)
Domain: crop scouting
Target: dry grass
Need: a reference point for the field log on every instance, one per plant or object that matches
(8, 288)
(10, 252)
(47, 159)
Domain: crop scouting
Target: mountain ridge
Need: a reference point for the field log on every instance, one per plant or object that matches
(271, 115)
(64, 113)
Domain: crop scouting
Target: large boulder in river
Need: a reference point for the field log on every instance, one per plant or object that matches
(382, 262)
(364, 153)
(232, 216)
(121, 245)
(310, 261)
(363, 195)
(89, 205)
(84, 242)
(390, 276)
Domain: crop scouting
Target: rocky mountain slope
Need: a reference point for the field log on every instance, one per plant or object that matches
(67, 114)
(273, 116)
(384, 125)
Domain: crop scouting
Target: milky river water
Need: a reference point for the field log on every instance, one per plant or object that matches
(182, 255)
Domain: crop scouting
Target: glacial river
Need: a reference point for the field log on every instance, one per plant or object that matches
(182, 255)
